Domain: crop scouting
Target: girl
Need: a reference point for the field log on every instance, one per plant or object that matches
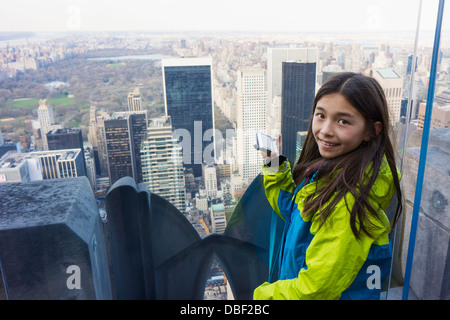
(335, 244)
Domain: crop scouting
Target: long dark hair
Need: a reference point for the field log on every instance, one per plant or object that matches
(346, 173)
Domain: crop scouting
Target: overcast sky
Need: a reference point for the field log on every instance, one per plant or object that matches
(218, 15)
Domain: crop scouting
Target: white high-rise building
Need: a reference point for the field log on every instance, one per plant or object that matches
(134, 100)
(92, 135)
(46, 121)
(218, 218)
(91, 173)
(42, 165)
(251, 96)
(210, 179)
(161, 160)
(356, 58)
(392, 84)
(274, 116)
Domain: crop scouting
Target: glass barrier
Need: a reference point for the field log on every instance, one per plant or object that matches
(422, 240)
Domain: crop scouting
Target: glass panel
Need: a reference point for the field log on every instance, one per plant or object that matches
(424, 252)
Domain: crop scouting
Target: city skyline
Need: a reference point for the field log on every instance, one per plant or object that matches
(231, 15)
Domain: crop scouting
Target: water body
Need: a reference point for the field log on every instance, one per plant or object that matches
(132, 57)
(21, 39)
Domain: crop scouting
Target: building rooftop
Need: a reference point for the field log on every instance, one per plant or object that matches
(388, 73)
(163, 121)
(12, 159)
(218, 207)
(188, 61)
(64, 130)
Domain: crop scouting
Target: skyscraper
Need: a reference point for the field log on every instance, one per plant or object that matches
(134, 100)
(298, 90)
(97, 138)
(392, 84)
(187, 84)
(124, 133)
(275, 59)
(91, 172)
(46, 121)
(218, 218)
(138, 125)
(251, 96)
(65, 138)
(58, 164)
(39, 165)
(94, 141)
(162, 166)
(210, 180)
(45, 114)
(329, 71)
(92, 135)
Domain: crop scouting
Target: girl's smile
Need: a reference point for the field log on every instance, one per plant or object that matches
(327, 144)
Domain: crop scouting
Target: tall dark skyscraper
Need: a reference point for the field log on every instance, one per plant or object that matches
(65, 138)
(189, 103)
(297, 97)
(124, 133)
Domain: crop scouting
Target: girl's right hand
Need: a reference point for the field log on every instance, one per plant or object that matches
(273, 154)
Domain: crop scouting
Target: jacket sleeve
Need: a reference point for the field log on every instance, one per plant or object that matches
(278, 185)
(333, 259)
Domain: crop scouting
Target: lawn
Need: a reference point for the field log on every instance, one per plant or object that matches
(35, 102)
(116, 64)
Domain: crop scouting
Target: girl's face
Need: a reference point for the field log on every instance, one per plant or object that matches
(337, 126)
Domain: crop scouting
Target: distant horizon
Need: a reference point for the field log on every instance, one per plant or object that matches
(216, 31)
(5, 35)
(19, 38)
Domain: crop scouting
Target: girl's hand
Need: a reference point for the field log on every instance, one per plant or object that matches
(273, 154)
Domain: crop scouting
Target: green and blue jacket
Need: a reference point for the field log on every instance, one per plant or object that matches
(328, 261)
